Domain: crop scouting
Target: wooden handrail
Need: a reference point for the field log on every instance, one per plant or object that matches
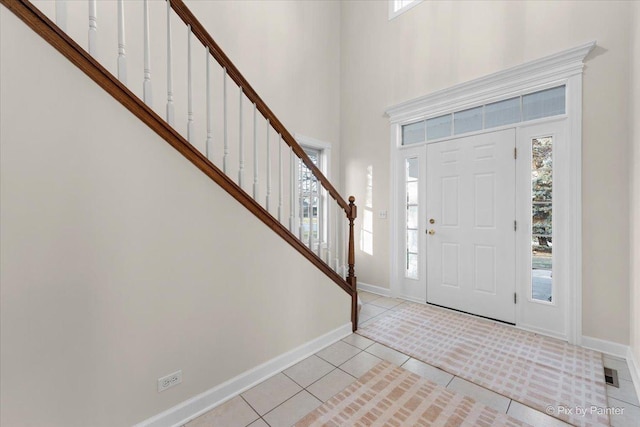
(57, 38)
(201, 33)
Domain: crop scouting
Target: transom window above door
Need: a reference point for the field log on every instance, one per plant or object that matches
(532, 106)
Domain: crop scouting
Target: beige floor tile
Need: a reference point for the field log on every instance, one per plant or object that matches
(292, 410)
(388, 354)
(626, 392)
(400, 306)
(620, 366)
(258, 423)
(233, 413)
(358, 341)
(360, 364)
(370, 311)
(480, 394)
(332, 383)
(630, 416)
(429, 372)
(531, 416)
(386, 302)
(338, 353)
(363, 323)
(270, 393)
(367, 296)
(309, 370)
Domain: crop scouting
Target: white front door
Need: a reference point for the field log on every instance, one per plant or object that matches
(471, 230)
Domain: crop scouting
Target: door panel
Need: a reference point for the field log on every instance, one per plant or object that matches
(471, 198)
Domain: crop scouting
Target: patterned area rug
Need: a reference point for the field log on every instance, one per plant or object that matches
(543, 373)
(389, 395)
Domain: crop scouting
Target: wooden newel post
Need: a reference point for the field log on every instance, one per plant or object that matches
(351, 277)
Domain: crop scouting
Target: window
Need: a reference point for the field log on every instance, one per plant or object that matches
(398, 7)
(312, 210)
(541, 219)
(531, 106)
(411, 209)
(310, 198)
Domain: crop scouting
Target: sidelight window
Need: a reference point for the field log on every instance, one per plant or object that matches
(411, 211)
(542, 219)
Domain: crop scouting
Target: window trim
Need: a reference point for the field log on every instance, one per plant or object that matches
(394, 13)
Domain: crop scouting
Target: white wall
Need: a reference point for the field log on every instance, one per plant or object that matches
(439, 44)
(120, 262)
(634, 123)
(288, 51)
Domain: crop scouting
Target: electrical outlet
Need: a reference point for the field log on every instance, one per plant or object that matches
(169, 381)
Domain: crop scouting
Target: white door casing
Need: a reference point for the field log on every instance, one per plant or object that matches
(471, 201)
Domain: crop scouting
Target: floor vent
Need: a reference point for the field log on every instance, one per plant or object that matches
(611, 377)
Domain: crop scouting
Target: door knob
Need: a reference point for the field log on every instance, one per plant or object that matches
(432, 232)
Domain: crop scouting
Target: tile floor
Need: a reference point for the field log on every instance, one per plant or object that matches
(285, 398)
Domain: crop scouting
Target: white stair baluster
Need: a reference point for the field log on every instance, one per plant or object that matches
(301, 196)
(255, 155)
(146, 84)
(209, 146)
(292, 197)
(320, 222)
(224, 113)
(93, 26)
(241, 148)
(329, 230)
(170, 107)
(122, 58)
(310, 211)
(268, 166)
(189, 89)
(336, 242)
(280, 177)
(61, 14)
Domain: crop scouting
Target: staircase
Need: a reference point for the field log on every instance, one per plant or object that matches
(251, 155)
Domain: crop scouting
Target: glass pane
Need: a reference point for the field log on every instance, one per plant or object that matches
(502, 113)
(439, 127)
(467, 120)
(412, 265)
(412, 241)
(412, 170)
(412, 192)
(413, 133)
(412, 217)
(314, 155)
(542, 219)
(545, 103)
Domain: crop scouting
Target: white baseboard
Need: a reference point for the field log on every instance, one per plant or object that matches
(541, 331)
(378, 290)
(198, 405)
(607, 347)
(634, 368)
